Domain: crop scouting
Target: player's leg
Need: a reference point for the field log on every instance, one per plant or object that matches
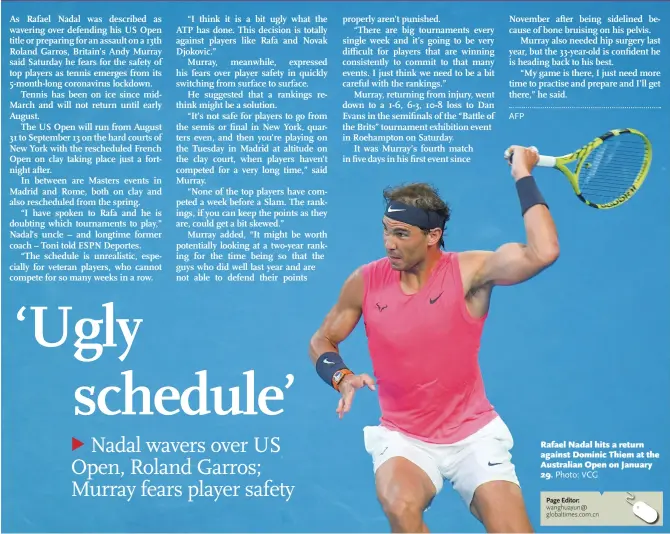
(404, 491)
(483, 474)
(406, 478)
(499, 505)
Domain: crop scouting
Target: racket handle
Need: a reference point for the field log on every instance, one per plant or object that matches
(546, 161)
(543, 161)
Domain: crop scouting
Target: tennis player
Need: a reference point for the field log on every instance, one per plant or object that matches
(424, 310)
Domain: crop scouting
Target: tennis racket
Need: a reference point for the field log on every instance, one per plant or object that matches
(609, 170)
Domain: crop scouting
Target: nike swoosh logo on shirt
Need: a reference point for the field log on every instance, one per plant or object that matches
(433, 301)
(497, 463)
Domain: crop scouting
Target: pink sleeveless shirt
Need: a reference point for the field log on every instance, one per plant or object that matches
(424, 349)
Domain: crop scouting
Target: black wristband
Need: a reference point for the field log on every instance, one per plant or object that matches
(328, 364)
(529, 194)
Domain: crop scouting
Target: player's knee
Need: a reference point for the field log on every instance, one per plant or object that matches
(401, 508)
(511, 525)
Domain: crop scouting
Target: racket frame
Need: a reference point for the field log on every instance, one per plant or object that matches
(560, 163)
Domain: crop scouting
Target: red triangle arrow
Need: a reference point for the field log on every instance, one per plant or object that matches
(76, 443)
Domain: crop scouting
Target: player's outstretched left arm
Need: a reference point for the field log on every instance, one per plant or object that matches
(324, 344)
(514, 263)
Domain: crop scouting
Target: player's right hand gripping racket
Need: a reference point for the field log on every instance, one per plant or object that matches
(609, 170)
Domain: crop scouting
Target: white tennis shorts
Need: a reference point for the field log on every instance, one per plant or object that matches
(481, 457)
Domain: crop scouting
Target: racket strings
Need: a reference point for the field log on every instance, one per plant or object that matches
(612, 168)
